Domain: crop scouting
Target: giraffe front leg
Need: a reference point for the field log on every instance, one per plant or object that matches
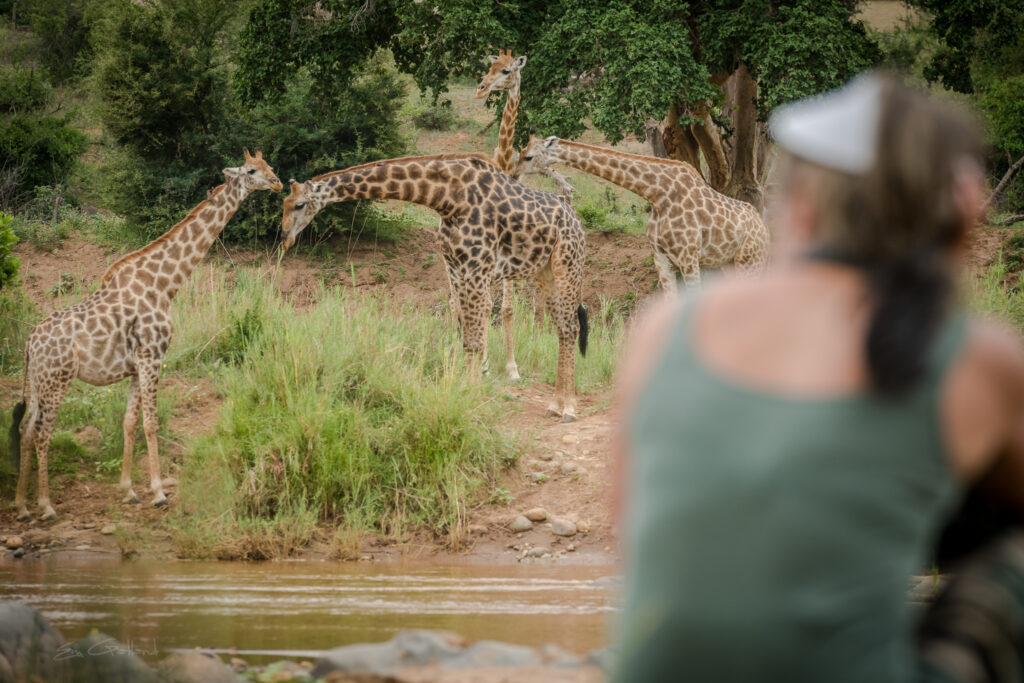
(689, 266)
(476, 306)
(453, 299)
(131, 422)
(28, 452)
(46, 422)
(149, 377)
(507, 293)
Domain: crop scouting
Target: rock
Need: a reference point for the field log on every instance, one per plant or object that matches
(490, 653)
(108, 529)
(19, 553)
(539, 551)
(239, 664)
(409, 648)
(562, 527)
(89, 525)
(603, 659)
(38, 537)
(558, 657)
(90, 437)
(536, 514)
(570, 548)
(539, 477)
(477, 529)
(545, 456)
(567, 468)
(195, 666)
(520, 524)
(30, 647)
(169, 482)
(101, 658)
(13, 542)
(570, 438)
(84, 546)
(583, 526)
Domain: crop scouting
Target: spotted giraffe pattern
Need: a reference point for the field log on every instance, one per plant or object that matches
(505, 74)
(493, 228)
(123, 330)
(691, 226)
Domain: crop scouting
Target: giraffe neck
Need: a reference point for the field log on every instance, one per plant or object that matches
(625, 170)
(432, 181)
(504, 154)
(171, 258)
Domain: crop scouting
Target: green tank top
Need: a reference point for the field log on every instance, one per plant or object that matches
(772, 539)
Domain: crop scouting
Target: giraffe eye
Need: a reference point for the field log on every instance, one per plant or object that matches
(251, 171)
(529, 158)
(506, 71)
(300, 205)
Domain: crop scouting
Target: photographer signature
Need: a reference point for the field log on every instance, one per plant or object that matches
(106, 646)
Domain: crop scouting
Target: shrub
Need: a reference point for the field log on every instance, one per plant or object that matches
(8, 262)
(438, 116)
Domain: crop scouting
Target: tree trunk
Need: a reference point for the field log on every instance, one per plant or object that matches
(652, 128)
(741, 94)
(678, 140)
(706, 133)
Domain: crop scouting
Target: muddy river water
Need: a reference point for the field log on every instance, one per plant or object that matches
(296, 609)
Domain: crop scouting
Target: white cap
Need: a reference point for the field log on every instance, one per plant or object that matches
(836, 130)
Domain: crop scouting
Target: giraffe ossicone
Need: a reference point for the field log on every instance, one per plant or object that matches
(122, 330)
(692, 226)
(493, 228)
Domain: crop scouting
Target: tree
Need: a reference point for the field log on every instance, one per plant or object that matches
(707, 71)
(982, 54)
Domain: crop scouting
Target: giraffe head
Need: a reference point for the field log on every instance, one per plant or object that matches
(503, 74)
(254, 174)
(300, 206)
(538, 154)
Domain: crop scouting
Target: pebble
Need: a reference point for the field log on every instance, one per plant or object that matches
(570, 548)
(108, 529)
(562, 527)
(477, 529)
(84, 546)
(539, 477)
(239, 664)
(19, 553)
(89, 525)
(520, 524)
(570, 438)
(536, 514)
(567, 468)
(539, 551)
(545, 456)
(583, 526)
(13, 542)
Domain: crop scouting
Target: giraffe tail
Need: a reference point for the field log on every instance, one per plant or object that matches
(14, 436)
(581, 313)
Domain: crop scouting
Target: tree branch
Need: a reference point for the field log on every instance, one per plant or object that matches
(1002, 183)
(1013, 219)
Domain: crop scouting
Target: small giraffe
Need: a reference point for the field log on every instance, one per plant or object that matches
(493, 228)
(122, 330)
(691, 226)
(504, 74)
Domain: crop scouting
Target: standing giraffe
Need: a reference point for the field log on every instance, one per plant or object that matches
(493, 228)
(504, 74)
(122, 330)
(691, 227)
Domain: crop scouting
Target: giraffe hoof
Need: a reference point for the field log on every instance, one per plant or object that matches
(160, 502)
(24, 516)
(49, 515)
(568, 417)
(131, 498)
(551, 412)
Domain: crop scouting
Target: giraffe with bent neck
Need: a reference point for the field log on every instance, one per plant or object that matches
(122, 330)
(691, 226)
(493, 228)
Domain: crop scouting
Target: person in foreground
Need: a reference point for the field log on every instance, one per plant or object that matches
(791, 445)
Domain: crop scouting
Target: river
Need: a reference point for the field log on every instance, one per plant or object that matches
(265, 611)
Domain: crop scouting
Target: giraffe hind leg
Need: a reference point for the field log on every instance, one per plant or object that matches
(507, 294)
(27, 447)
(131, 423)
(149, 376)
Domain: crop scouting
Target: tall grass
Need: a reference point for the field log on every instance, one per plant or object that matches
(357, 412)
(999, 294)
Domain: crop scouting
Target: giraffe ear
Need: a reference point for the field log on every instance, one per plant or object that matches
(492, 58)
(519, 63)
(550, 141)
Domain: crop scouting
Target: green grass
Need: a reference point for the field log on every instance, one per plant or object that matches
(999, 294)
(357, 412)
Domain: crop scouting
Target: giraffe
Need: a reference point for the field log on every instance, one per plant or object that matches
(504, 74)
(122, 330)
(691, 226)
(494, 228)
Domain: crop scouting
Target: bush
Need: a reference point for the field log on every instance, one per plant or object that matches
(8, 262)
(438, 116)
(17, 319)
(37, 148)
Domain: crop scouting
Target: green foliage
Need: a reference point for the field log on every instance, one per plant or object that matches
(356, 411)
(17, 318)
(603, 213)
(435, 116)
(36, 147)
(8, 262)
(63, 26)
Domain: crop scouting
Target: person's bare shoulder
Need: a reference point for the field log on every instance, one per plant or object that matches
(995, 349)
